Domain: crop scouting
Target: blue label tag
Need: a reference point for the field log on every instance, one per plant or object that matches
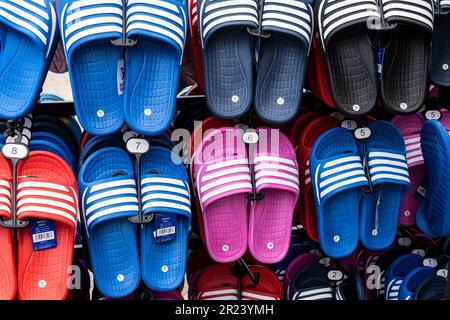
(380, 60)
(165, 229)
(43, 234)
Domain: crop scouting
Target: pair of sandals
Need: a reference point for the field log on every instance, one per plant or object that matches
(107, 181)
(346, 29)
(222, 179)
(350, 207)
(111, 87)
(222, 37)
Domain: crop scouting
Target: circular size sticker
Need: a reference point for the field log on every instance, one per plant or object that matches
(430, 262)
(433, 115)
(405, 242)
(250, 137)
(138, 146)
(349, 124)
(363, 133)
(15, 151)
(335, 275)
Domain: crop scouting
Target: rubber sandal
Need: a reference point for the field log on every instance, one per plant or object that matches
(404, 78)
(153, 64)
(228, 55)
(223, 202)
(109, 198)
(276, 176)
(47, 193)
(410, 127)
(348, 53)
(413, 280)
(8, 280)
(312, 131)
(351, 288)
(337, 179)
(388, 169)
(49, 142)
(194, 32)
(299, 125)
(295, 266)
(431, 289)
(217, 283)
(295, 250)
(27, 47)
(94, 63)
(440, 54)
(165, 193)
(311, 283)
(397, 272)
(282, 59)
(267, 288)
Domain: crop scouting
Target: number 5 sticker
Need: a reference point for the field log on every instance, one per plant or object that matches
(363, 133)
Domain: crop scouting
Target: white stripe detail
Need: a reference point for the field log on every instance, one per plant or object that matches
(156, 204)
(46, 210)
(47, 202)
(342, 184)
(165, 196)
(110, 193)
(47, 185)
(225, 189)
(110, 211)
(42, 193)
(110, 202)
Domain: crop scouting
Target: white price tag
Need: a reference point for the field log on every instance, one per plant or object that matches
(362, 133)
(420, 252)
(138, 146)
(250, 137)
(15, 151)
(349, 124)
(442, 273)
(430, 262)
(405, 242)
(433, 115)
(335, 275)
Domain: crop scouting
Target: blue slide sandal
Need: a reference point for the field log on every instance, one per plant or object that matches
(282, 59)
(338, 178)
(27, 44)
(153, 64)
(413, 280)
(108, 188)
(228, 55)
(165, 193)
(397, 272)
(95, 64)
(388, 170)
(433, 216)
(63, 149)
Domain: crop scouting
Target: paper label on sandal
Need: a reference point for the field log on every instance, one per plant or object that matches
(43, 234)
(165, 229)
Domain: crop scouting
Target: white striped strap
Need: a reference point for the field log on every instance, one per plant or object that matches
(273, 172)
(294, 17)
(36, 19)
(336, 15)
(445, 5)
(415, 12)
(215, 181)
(165, 195)
(193, 14)
(109, 199)
(386, 166)
(248, 294)
(5, 198)
(224, 293)
(164, 20)
(341, 173)
(87, 21)
(39, 199)
(216, 15)
(314, 293)
(414, 155)
(393, 289)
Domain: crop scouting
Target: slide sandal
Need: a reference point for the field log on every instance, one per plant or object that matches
(410, 127)
(298, 126)
(404, 77)
(270, 219)
(109, 198)
(295, 250)
(312, 131)
(440, 49)
(27, 42)
(165, 193)
(398, 271)
(431, 289)
(217, 282)
(337, 178)
(47, 195)
(388, 169)
(282, 59)
(228, 54)
(268, 287)
(432, 217)
(153, 64)
(349, 54)
(221, 175)
(295, 266)
(194, 32)
(311, 283)
(8, 281)
(51, 147)
(95, 64)
(413, 280)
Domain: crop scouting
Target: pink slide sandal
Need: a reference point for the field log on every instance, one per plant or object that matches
(222, 178)
(276, 174)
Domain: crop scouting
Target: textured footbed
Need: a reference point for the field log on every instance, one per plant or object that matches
(351, 71)
(389, 196)
(280, 78)
(113, 246)
(339, 215)
(431, 289)
(93, 73)
(52, 265)
(8, 284)
(22, 73)
(440, 52)
(153, 70)
(405, 70)
(228, 71)
(171, 254)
